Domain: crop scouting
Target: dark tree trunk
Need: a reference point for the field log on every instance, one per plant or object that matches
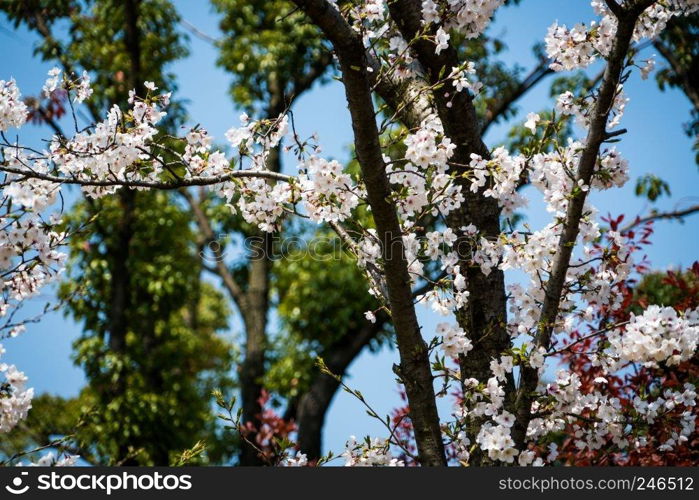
(253, 367)
(254, 307)
(414, 369)
(313, 404)
(120, 271)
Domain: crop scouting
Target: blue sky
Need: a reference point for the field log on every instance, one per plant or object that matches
(655, 143)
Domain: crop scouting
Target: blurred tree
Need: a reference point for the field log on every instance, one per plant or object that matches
(152, 391)
(274, 58)
(679, 46)
(150, 347)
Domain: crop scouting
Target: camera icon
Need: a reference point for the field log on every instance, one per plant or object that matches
(16, 487)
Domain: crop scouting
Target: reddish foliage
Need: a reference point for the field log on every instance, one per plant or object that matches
(272, 430)
(637, 378)
(403, 429)
(53, 107)
(624, 386)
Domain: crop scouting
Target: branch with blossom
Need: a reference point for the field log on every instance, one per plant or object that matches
(426, 166)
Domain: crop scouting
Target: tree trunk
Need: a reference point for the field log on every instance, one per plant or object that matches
(253, 367)
(120, 272)
(254, 311)
(414, 369)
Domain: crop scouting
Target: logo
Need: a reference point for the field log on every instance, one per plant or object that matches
(16, 488)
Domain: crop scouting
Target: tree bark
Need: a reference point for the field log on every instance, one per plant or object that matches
(121, 274)
(414, 369)
(253, 367)
(485, 316)
(254, 311)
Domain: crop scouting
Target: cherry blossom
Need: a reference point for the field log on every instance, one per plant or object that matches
(13, 111)
(424, 185)
(657, 335)
(371, 453)
(441, 41)
(15, 399)
(454, 340)
(532, 120)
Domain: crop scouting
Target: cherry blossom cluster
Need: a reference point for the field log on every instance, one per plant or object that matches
(328, 193)
(29, 251)
(367, 18)
(202, 161)
(652, 409)
(298, 460)
(425, 147)
(594, 286)
(56, 81)
(369, 453)
(15, 399)
(503, 175)
(462, 78)
(30, 258)
(579, 46)
(657, 335)
(454, 340)
(566, 404)
(372, 10)
(13, 111)
(422, 184)
(588, 286)
(496, 440)
(114, 149)
(484, 403)
(569, 48)
(450, 294)
(532, 252)
(262, 203)
(259, 201)
(125, 148)
(568, 104)
(30, 247)
(596, 420)
(468, 17)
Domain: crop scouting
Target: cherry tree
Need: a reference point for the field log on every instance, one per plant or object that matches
(439, 198)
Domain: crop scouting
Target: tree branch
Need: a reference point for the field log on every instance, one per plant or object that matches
(220, 268)
(616, 9)
(200, 34)
(554, 288)
(675, 214)
(689, 81)
(177, 184)
(537, 74)
(414, 357)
